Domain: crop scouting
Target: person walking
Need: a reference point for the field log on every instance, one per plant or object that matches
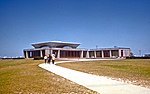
(45, 59)
(49, 58)
(53, 58)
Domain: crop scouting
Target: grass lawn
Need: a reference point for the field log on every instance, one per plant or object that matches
(24, 77)
(136, 71)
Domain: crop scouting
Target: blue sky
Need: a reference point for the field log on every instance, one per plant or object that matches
(105, 23)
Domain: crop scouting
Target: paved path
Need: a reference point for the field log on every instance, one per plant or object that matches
(101, 84)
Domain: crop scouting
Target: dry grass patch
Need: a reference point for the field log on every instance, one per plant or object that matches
(24, 77)
(135, 71)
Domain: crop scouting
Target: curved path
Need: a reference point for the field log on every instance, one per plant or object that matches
(101, 84)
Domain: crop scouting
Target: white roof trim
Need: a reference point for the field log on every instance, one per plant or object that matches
(55, 44)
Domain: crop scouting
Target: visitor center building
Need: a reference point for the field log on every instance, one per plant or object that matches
(71, 50)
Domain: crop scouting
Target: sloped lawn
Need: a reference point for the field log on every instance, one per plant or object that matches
(25, 77)
(135, 71)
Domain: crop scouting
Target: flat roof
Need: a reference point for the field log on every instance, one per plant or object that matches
(110, 48)
(55, 44)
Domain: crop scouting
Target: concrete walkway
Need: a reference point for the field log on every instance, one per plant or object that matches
(101, 84)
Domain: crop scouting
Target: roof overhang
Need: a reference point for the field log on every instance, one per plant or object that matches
(55, 44)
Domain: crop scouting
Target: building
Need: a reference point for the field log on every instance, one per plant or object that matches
(71, 50)
(147, 55)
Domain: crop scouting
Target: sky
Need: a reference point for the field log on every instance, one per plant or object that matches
(101, 23)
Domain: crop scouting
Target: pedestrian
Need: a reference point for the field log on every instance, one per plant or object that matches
(45, 59)
(53, 58)
(49, 58)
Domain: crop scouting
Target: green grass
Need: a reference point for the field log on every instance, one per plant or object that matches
(25, 77)
(135, 70)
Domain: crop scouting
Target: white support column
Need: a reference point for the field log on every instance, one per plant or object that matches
(87, 54)
(58, 54)
(27, 54)
(110, 53)
(119, 52)
(95, 54)
(102, 54)
(81, 56)
(41, 55)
